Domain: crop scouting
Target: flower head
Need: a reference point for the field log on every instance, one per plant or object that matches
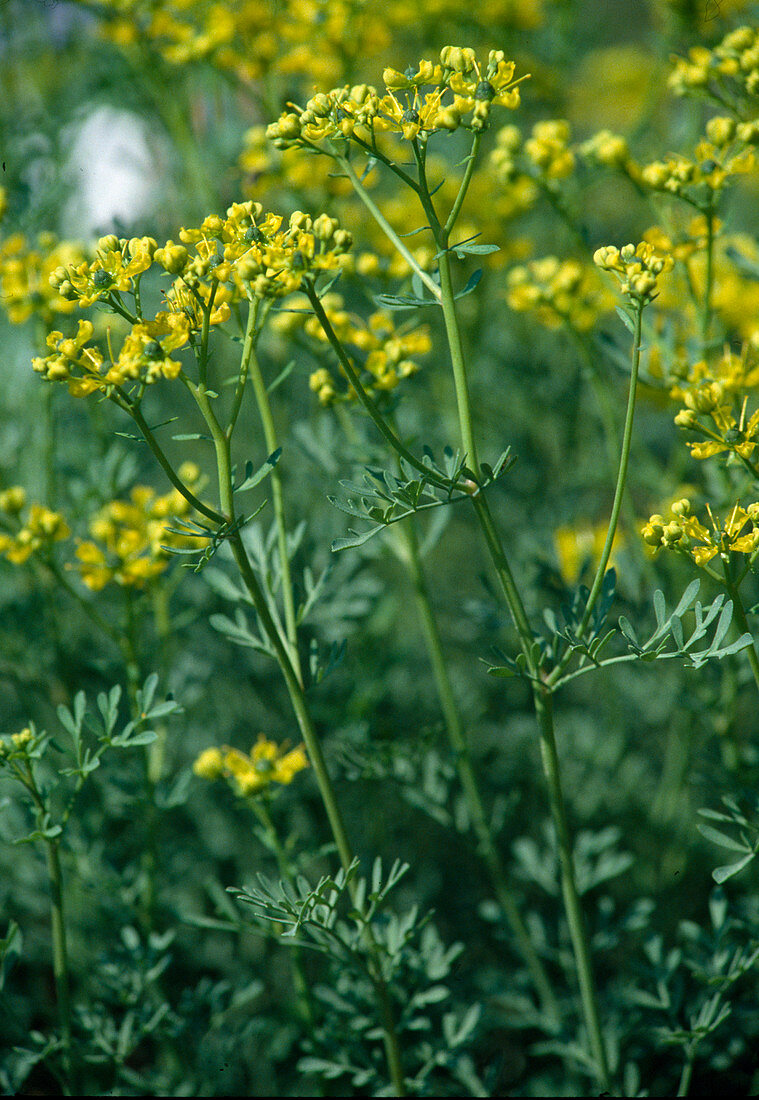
(252, 773)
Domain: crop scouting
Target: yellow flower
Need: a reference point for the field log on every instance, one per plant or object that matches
(128, 536)
(548, 149)
(41, 528)
(210, 764)
(559, 291)
(249, 774)
(684, 532)
(637, 267)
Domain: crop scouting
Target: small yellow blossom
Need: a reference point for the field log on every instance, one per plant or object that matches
(559, 292)
(683, 532)
(637, 268)
(36, 532)
(548, 149)
(210, 764)
(128, 537)
(28, 277)
(252, 773)
(390, 353)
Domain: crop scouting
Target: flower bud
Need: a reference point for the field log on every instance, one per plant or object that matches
(324, 227)
(12, 500)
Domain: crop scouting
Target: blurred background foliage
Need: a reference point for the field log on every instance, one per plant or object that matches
(140, 117)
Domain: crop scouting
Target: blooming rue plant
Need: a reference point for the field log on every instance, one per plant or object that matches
(395, 391)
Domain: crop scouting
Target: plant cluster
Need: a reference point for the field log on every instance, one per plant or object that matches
(507, 713)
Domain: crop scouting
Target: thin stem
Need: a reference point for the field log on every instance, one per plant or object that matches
(365, 399)
(468, 779)
(684, 1086)
(505, 577)
(458, 363)
(456, 348)
(168, 469)
(305, 723)
(740, 617)
(242, 377)
(278, 500)
(261, 810)
(577, 930)
(616, 507)
(387, 228)
(464, 186)
(60, 949)
(706, 307)
(542, 695)
(203, 353)
(58, 929)
(90, 610)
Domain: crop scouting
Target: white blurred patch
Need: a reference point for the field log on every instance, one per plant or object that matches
(113, 171)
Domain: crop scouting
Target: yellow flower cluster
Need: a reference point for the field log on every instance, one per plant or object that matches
(608, 149)
(145, 356)
(250, 774)
(390, 352)
(715, 163)
(315, 40)
(735, 372)
(463, 92)
(736, 297)
(559, 292)
(683, 532)
(637, 267)
(731, 67)
(245, 254)
(37, 531)
(252, 253)
(544, 156)
(117, 267)
(727, 433)
(128, 536)
(25, 274)
(19, 745)
(306, 38)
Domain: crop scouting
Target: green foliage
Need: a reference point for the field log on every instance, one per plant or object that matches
(462, 883)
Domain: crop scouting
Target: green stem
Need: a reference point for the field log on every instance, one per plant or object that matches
(305, 723)
(203, 353)
(740, 617)
(616, 507)
(387, 228)
(365, 399)
(468, 779)
(706, 308)
(577, 931)
(542, 695)
(505, 577)
(168, 469)
(89, 609)
(455, 345)
(684, 1086)
(464, 186)
(261, 810)
(272, 444)
(60, 949)
(242, 376)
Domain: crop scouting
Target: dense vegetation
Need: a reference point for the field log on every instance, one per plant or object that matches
(379, 531)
